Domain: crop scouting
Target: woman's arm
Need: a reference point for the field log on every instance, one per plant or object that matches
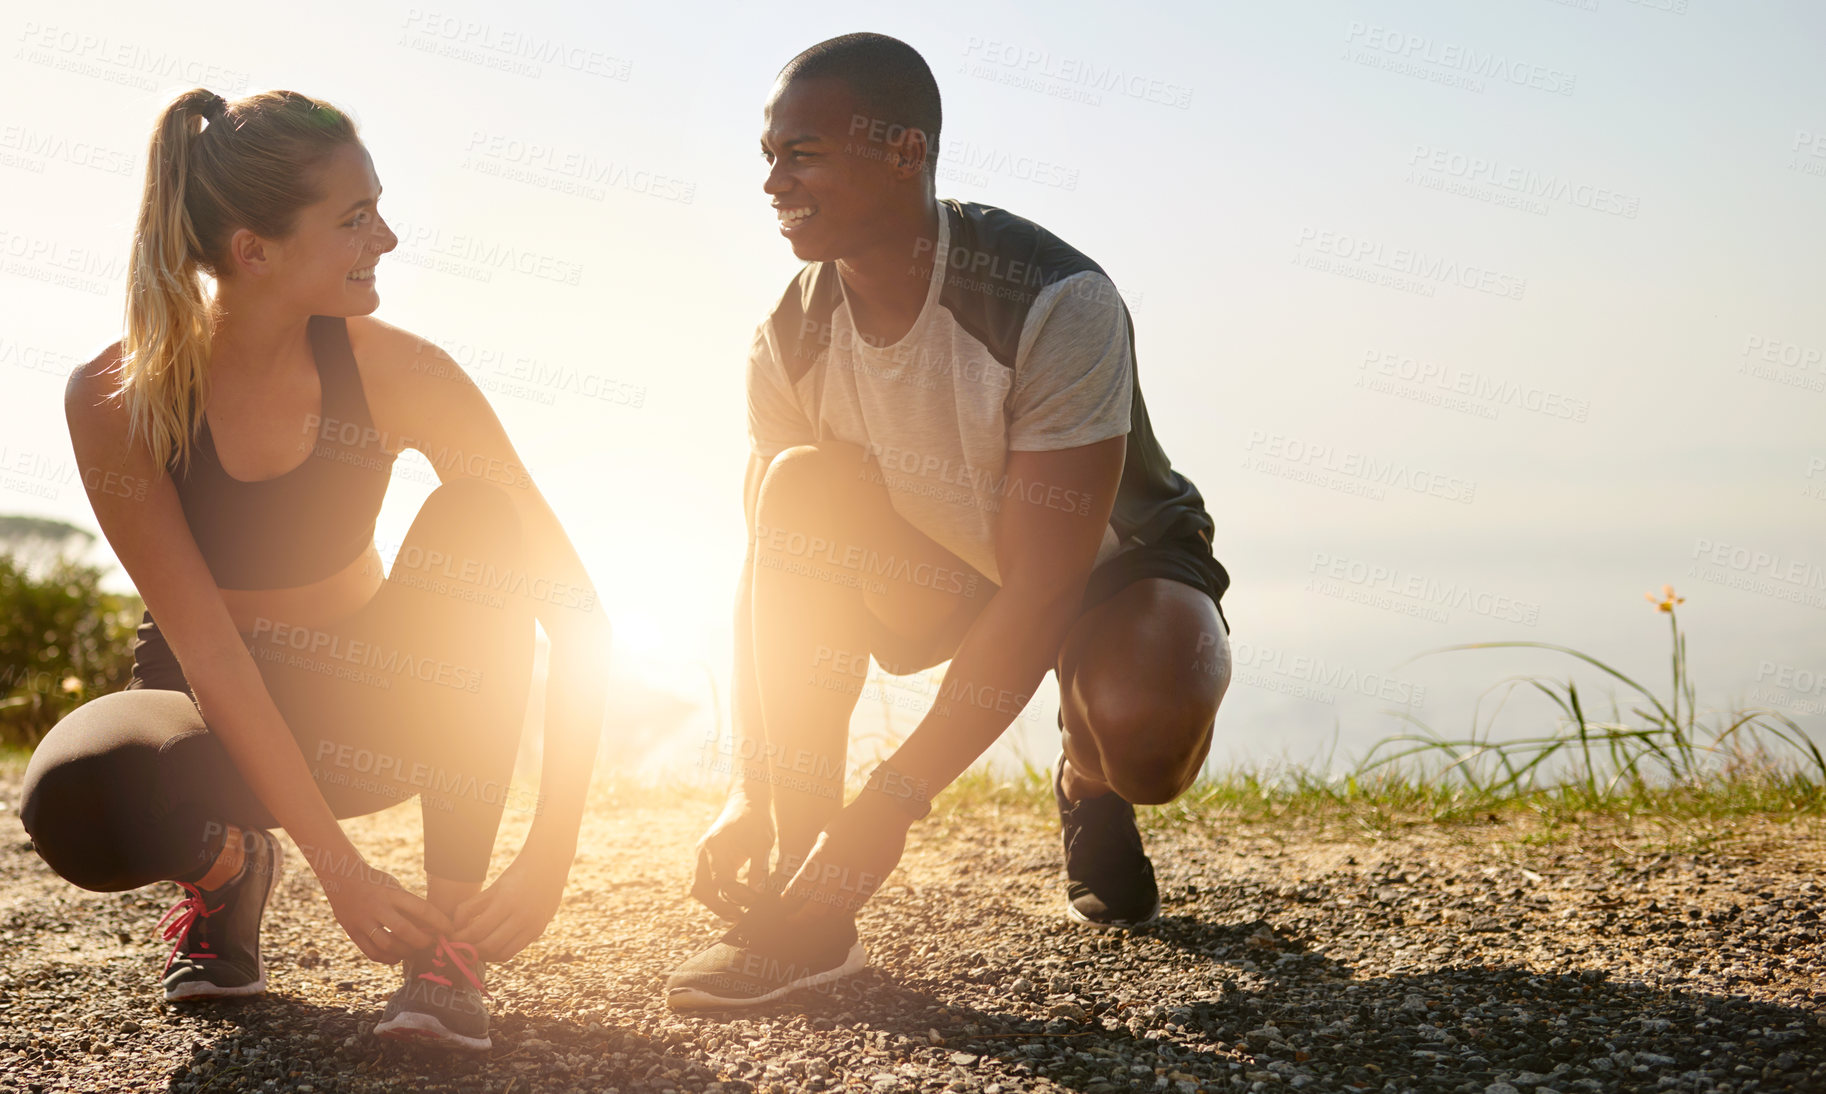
(427, 402)
(145, 525)
(743, 833)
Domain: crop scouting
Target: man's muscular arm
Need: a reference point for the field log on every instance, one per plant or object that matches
(1046, 545)
(1047, 536)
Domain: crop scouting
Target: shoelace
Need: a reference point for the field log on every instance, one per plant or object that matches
(178, 920)
(448, 949)
(746, 897)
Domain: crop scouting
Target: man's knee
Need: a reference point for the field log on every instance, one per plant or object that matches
(1151, 746)
(809, 478)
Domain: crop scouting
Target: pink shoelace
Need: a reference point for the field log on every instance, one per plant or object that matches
(178, 919)
(448, 949)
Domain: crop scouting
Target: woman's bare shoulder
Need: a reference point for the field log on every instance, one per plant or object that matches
(88, 394)
(395, 359)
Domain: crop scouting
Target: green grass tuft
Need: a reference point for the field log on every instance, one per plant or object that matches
(1666, 760)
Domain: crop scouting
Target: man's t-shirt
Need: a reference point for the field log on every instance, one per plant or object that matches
(1023, 345)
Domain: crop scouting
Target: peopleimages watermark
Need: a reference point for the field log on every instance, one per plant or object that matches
(1304, 675)
(1796, 690)
(568, 170)
(1759, 570)
(1462, 390)
(960, 161)
(972, 163)
(387, 774)
(26, 357)
(524, 376)
(1380, 585)
(29, 149)
(1509, 185)
(1789, 364)
(754, 761)
(476, 257)
(354, 659)
(85, 269)
(1060, 76)
(30, 679)
(915, 362)
(1816, 466)
(1809, 150)
(918, 693)
(758, 763)
(1009, 276)
(101, 56)
(1348, 471)
(477, 579)
(906, 471)
(506, 49)
(1406, 269)
(1447, 63)
(350, 442)
(872, 568)
(38, 475)
(848, 670)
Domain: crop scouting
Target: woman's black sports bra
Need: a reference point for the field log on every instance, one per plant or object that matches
(313, 520)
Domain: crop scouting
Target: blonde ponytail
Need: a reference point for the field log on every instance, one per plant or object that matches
(213, 166)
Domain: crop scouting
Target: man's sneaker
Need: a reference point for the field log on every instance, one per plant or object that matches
(1109, 880)
(442, 1000)
(215, 933)
(761, 959)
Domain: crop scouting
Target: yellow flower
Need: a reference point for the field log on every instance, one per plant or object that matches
(1666, 601)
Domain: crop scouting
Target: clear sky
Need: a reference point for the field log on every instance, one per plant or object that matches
(1472, 321)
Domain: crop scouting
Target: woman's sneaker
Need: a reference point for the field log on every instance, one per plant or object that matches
(761, 959)
(215, 933)
(1109, 879)
(442, 1001)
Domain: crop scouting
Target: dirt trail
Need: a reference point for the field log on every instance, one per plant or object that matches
(1289, 957)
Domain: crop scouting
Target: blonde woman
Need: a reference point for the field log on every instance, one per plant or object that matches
(281, 679)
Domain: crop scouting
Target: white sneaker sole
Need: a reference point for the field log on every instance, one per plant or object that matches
(1072, 913)
(412, 1025)
(699, 999)
(203, 989)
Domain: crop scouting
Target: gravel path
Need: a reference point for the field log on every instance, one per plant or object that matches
(1491, 958)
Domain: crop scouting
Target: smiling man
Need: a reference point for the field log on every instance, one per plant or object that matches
(950, 460)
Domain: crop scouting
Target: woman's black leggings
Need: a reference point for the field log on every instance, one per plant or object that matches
(422, 691)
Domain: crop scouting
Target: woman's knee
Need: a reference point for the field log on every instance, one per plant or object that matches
(72, 806)
(466, 544)
(468, 510)
(95, 793)
(72, 829)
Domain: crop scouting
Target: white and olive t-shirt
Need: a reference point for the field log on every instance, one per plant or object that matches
(1023, 345)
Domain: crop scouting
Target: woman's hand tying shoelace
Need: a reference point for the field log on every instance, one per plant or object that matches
(510, 914)
(383, 920)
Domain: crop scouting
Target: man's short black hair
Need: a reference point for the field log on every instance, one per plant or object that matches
(891, 81)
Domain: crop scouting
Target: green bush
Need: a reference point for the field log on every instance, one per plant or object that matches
(63, 641)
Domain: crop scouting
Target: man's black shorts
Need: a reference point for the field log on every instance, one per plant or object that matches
(1182, 556)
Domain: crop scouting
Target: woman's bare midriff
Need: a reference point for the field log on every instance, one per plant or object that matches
(319, 604)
